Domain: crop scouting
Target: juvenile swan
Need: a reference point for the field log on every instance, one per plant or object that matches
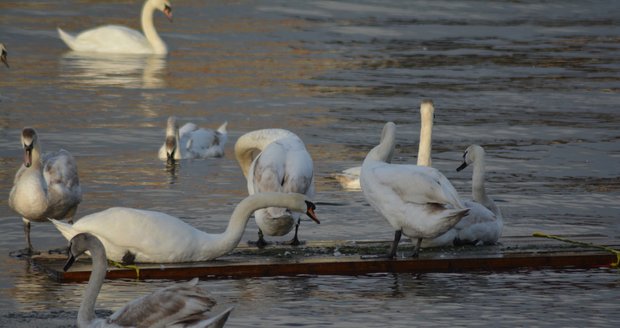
(418, 201)
(45, 186)
(180, 305)
(120, 39)
(484, 223)
(3, 54)
(192, 142)
(130, 235)
(275, 160)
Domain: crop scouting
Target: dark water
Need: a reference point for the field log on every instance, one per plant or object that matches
(536, 83)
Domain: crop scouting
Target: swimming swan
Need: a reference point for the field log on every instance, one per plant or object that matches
(484, 223)
(282, 164)
(418, 201)
(120, 39)
(192, 142)
(131, 235)
(3, 54)
(349, 179)
(180, 305)
(45, 186)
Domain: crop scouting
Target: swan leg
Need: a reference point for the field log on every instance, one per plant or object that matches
(392, 253)
(295, 241)
(28, 251)
(416, 251)
(260, 243)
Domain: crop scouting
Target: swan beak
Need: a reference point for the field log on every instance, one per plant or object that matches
(168, 12)
(460, 168)
(69, 263)
(310, 212)
(3, 58)
(28, 155)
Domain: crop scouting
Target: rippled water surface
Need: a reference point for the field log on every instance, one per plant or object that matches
(536, 83)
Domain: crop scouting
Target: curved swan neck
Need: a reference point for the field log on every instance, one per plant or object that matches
(159, 47)
(86, 314)
(230, 238)
(426, 130)
(385, 149)
(253, 142)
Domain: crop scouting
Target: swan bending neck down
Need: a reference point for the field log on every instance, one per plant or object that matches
(3, 55)
(180, 305)
(418, 201)
(46, 185)
(192, 142)
(120, 39)
(131, 235)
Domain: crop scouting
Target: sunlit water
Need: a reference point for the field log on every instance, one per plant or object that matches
(536, 83)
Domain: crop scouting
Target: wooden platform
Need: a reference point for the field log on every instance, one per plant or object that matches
(344, 258)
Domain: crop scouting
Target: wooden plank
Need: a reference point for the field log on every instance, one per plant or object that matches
(343, 258)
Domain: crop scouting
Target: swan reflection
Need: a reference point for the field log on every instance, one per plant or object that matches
(127, 71)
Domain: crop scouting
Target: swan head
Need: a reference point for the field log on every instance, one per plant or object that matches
(427, 109)
(171, 138)
(79, 244)
(3, 54)
(164, 6)
(29, 139)
(469, 156)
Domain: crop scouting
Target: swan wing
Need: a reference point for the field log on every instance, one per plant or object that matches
(166, 306)
(111, 39)
(416, 184)
(61, 175)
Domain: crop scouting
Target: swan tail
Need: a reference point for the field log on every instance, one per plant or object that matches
(65, 229)
(67, 38)
(222, 128)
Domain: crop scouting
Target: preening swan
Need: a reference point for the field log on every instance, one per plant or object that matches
(120, 39)
(180, 305)
(192, 142)
(3, 54)
(484, 223)
(349, 179)
(275, 160)
(131, 235)
(418, 201)
(45, 186)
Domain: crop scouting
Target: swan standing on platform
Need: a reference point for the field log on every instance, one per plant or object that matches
(192, 142)
(45, 186)
(123, 40)
(484, 223)
(282, 164)
(180, 305)
(418, 201)
(131, 235)
(3, 54)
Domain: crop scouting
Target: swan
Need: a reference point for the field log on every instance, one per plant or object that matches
(349, 179)
(120, 39)
(131, 235)
(180, 305)
(3, 54)
(192, 142)
(484, 223)
(418, 201)
(282, 164)
(46, 185)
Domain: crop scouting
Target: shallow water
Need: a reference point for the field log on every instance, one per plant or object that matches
(535, 83)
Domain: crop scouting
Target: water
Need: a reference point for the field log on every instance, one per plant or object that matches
(535, 83)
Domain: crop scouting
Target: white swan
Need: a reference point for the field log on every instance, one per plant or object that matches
(180, 305)
(120, 39)
(282, 164)
(45, 186)
(192, 142)
(349, 179)
(3, 54)
(131, 235)
(484, 223)
(418, 201)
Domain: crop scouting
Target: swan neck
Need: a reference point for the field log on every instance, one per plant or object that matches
(158, 45)
(254, 142)
(36, 156)
(384, 151)
(86, 313)
(477, 184)
(424, 148)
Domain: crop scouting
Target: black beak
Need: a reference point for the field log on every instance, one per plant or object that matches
(460, 168)
(3, 58)
(28, 155)
(69, 263)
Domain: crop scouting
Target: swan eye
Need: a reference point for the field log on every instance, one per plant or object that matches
(310, 205)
